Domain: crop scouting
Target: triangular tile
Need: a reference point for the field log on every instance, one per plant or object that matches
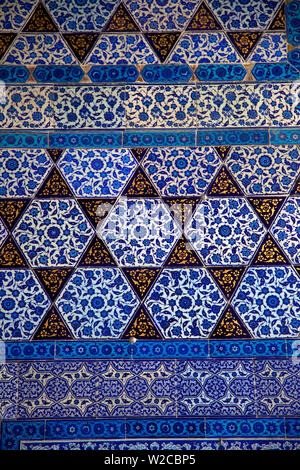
(6, 40)
(141, 326)
(96, 209)
(141, 279)
(97, 254)
(52, 327)
(296, 188)
(266, 207)
(11, 256)
(162, 43)
(81, 43)
(121, 22)
(227, 278)
(54, 186)
(269, 253)
(11, 210)
(182, 208)
(55, 154)
(224, 185)
(223, 151)
(40, 22)
(139, 185)
(139, 153)
(183, 255)
(278, 23)
(244, 42)
(53, 279)
(203, 19)
(230, 326)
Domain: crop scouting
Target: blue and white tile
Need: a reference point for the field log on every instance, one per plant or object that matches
(272, 47)
(250, 15)
(268, 302)
(160, 106)
(87, 107)
(243, 105)
(97, 173)
(277, 385)
(216, 388)
(181, 171)
(220, 72)
(162, 444)
(198, 48)
(8, 390)
(286, 228)
(53, 232)
(39, 49)
(265, 169)
(225, 231)
(22, 171)
(139, 232)
(97, 389)
(162, 15)
(97, 303)
(275, 72)
(23, 304)
(114, 49)
(26, 107)
(166, 73)
(284, 105)
(74, 15)
(185, 303)
(14, 14)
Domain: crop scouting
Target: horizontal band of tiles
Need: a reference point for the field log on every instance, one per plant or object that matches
(155, 74)
(166, 445)
(15, 431)
(149, 138)
(95, 107)
(25, 350)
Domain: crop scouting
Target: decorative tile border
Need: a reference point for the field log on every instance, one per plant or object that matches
(27, 350)
(13, 432)
(166, 445)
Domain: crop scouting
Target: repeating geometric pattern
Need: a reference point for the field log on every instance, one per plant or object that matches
(149, 224)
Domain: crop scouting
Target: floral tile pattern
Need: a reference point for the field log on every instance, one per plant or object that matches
(225, 231)
(149, 225)
(22, 172)
(97, 303)
(181, 171)
(97, 172)
(40, 230)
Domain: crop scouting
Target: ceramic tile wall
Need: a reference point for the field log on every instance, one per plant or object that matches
(149, 189)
